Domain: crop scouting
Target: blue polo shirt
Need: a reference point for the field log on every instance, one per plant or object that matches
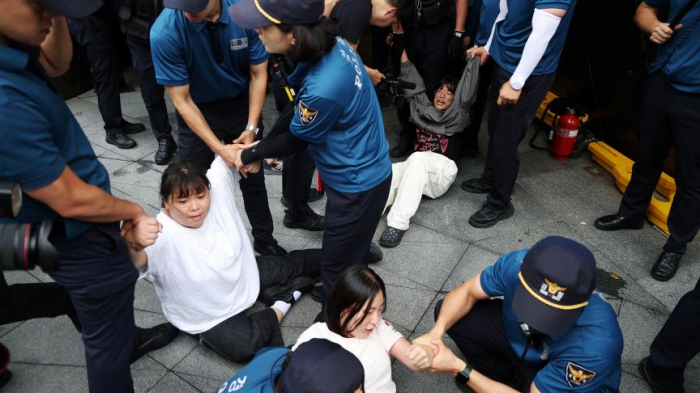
(512, 33)
(678, 57)
(587, 358)
(337, 112)
(260, 374)
(40, 136)
(488, 14)
(183, 54)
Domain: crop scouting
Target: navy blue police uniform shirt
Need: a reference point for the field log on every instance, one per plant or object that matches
(260, 374)
(512, 33)
(40, 136)
(183, 54)
(487, 16)
(678, 58)
(337, 112)
(587, 358)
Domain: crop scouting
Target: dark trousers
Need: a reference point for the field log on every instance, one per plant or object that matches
(481, 338)
(151, 91)
(97, 272)
(228, 119)
(470, 140)
(351, 220)
(240, 337)
(669, 117)
(297, 174)
(678, 342)
(507, 127)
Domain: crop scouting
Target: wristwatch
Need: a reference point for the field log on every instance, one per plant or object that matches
(253, 128)
(463, 376)
(459, 33)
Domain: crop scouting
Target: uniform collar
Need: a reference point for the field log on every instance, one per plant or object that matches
(14, 59)
(224, 18)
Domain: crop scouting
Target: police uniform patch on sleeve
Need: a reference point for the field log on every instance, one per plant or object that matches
(307, 115)
(577, 376)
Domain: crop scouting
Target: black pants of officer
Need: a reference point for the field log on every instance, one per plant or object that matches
(97, 272)
(151, 92)
(678, 342)
(507, 127)
(480, 337)
(669, 117)
(228, 119)
(351, 220)
(470, 139)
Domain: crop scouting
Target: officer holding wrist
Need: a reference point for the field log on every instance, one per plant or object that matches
(551, 331)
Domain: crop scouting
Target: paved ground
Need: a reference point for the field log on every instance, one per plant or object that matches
(439, 251)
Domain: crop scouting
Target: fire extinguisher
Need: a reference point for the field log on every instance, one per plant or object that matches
(565, 135)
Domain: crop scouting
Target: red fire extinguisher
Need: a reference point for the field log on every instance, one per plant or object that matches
(565, 136)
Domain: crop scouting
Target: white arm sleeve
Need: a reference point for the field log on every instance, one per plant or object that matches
(503, 11)
(544, 25)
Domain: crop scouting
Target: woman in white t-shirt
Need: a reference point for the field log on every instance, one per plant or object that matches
(354, 321)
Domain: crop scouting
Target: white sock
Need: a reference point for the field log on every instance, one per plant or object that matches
(297, 295)
(282, 306)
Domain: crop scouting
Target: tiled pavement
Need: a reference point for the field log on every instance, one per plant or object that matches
(438, 252)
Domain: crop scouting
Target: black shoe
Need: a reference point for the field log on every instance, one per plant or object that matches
(399, 150)
(488, 216)
(132, 128)
(166, 148)
(314, 195)
(462, 387)
(310, 222)
(285, 292)
(391, 237)
(120, 140)
(317, 294)
(375, 254)
(666, 265)
(478, 185)
(615, 222)
(268, 249)
(655, 383)
(5, 377)
(150, 339)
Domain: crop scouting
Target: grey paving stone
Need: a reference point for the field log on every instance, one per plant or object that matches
(143, 195)
(46, 341)
(201, 383)
(84, 111)
(416, 233)
(405, 306)
(146, 298)
(139, 175)
(474, 261)
(639, 327)
(43, 378)
(173, 353)
(40, 275)
(205, 363)
(112, 161)
(392, 278)
(408, 381)
(146, 373)
(173, 383)
(290, 335)
(634, 384)
(670, 292)
(302, 313)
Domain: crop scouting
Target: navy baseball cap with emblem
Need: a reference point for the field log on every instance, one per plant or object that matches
(557, 278)
(73, 8)
(251, 14)
(319, 366)
(189, 6)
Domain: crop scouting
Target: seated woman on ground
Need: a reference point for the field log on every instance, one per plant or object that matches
(430, 170)
(199, 257)
(353, 320)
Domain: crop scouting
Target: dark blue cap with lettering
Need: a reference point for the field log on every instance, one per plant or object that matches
(72, 8)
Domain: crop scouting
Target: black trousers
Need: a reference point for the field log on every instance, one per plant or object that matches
(228, 119)
(297, 175)
(481, 338)
(669, 117)
(678, 342)
(151, 91)
(507, 127)
(351, 220)
(470, 138)
(97, 272)
(240, 337)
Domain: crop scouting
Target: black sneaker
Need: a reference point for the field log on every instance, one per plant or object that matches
(391, 237)
(375, 254)
(120, 140)
(132, 128)
(150, 339)
(656, 384)
(268, 248)
(285, 292)
(317, 294)
(477, 186)
(166, 148)
(488, 216)
(310, 222)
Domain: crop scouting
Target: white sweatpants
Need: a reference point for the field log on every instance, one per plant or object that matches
(423, 173)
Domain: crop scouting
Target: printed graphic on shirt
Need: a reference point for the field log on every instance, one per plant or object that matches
(239, 43)
(234, 385)
(307, 114)
(578, 376)
(430, 141)
(552, 290)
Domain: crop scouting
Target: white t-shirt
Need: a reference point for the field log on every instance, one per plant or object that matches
(206, 275)
(372, 352)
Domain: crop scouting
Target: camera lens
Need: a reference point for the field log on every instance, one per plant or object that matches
(24, 246)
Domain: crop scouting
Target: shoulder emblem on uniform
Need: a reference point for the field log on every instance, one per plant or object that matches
(578, 376)
(307, 115)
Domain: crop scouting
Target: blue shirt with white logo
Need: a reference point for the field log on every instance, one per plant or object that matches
(586, 358)
(337, 112)
(512, 33)
(678, 57)
(183, 53)
(40, 136)
(260, 374)
(487, 16)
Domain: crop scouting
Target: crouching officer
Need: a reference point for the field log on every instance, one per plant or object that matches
(551, 332)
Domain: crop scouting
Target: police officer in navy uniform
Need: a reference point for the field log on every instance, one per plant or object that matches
(550, 332)
(216, 74)
(337, 118)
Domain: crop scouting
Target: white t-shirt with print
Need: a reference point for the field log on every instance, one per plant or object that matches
(206, 275)
(373, 352)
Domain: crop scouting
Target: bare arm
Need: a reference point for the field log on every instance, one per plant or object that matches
(140, 235)
(416, 357)
(647, 19)
(461, 10)
(57, 48)
(256, 92)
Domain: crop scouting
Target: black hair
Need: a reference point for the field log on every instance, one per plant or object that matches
(356, 286)
(449, 82)
(311, 41)
(182, 179)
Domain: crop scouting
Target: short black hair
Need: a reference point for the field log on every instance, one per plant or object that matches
(449, 82)
(312, 41)
(356, 286)
(185, 177)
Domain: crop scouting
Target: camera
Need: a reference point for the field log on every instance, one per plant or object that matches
(390, 90)
(25, 246)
